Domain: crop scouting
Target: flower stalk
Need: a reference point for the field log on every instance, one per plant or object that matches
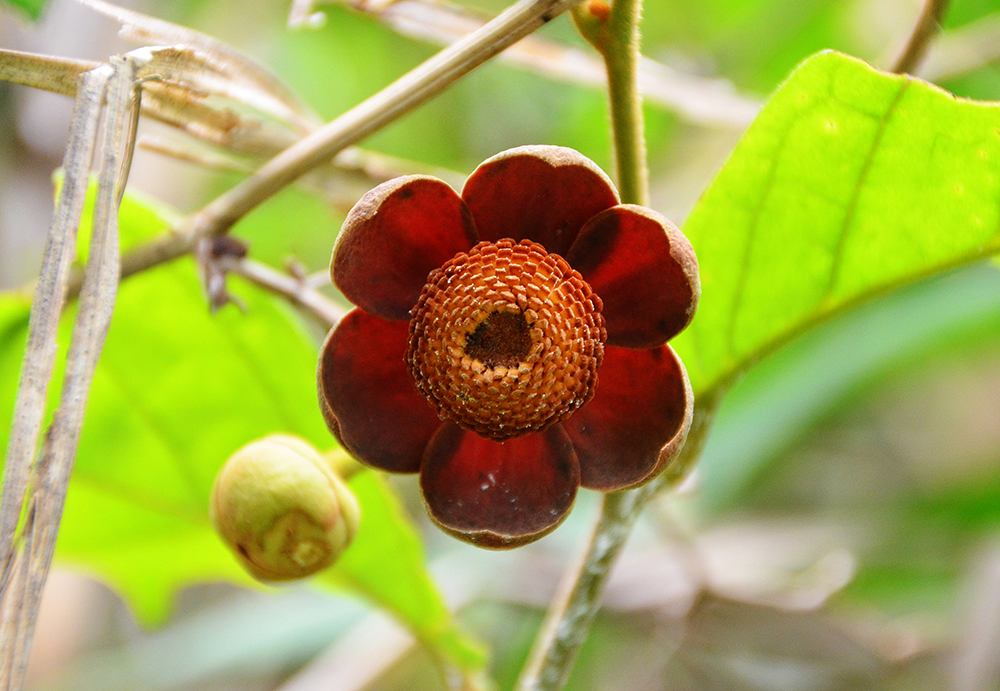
(627, 124)
(614, 32)
(579, 595)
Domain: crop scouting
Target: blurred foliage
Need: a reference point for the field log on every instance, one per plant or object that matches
(837, 364)
(33, 9)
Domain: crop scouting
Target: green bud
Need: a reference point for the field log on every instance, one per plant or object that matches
(282, 509)
(591, 20)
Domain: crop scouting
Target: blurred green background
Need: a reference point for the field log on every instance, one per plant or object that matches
(842, 530)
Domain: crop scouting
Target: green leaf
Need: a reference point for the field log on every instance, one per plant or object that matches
(32, 8)
(140, 218)
(850, 183)
(365, 568)
(176, 392)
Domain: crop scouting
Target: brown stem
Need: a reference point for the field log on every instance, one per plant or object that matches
(928, 24)
(296, 290)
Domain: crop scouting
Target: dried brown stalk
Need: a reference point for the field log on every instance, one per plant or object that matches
(49, 476)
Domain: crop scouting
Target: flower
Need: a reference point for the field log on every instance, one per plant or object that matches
(509, 344)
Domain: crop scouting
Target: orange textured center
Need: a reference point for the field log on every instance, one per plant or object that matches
(506, 340)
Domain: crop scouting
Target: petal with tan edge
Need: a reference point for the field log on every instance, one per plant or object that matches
(643, 269)
(367, 396)
(393, 237)
(637, 421)
(542, 193)
(499, 495)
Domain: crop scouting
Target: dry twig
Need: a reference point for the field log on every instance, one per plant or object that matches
(49, 476)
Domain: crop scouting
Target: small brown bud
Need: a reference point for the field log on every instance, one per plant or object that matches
(282, 509)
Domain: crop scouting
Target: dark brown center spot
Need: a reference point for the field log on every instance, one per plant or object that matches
(502, 340)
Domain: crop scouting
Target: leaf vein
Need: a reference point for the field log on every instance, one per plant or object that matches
(836, 265)
(744, 275)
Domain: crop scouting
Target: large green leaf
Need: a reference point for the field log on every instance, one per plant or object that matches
(850, 183)
(177, 391)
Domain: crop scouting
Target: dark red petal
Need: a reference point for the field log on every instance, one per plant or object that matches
(643, 269)
(393, 237)
(368, 397)
(542, 193)
(637, 421)
(495, 494)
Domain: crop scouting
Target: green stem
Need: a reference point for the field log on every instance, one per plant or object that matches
(621, 56)
(579, 597)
